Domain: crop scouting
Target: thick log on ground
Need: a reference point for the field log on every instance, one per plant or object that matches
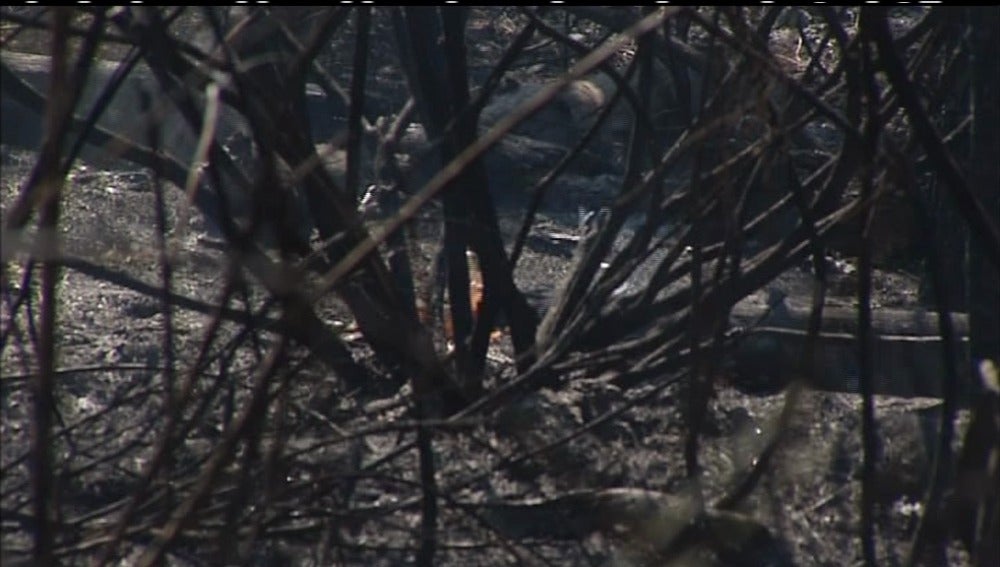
(658, 527)
(908, 351)
(22, 122)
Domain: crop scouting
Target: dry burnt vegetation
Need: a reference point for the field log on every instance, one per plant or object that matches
(365, 285)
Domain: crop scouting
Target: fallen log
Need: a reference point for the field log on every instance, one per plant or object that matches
(908, 351)
(656, 526)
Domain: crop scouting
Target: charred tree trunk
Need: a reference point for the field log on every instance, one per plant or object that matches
(437, 74)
